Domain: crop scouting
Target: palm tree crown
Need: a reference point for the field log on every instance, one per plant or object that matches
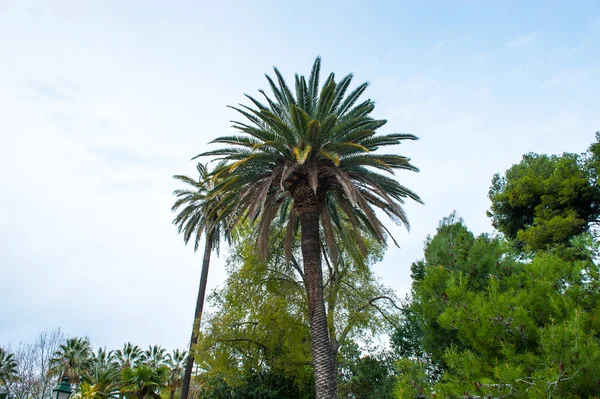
(8, 368)
(154, 356)
(72, 359)
(197, 211)
(143, 382)
(319, 141)
(129, 356)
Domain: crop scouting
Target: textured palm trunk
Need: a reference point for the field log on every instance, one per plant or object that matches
(308, 209)
(187, 376)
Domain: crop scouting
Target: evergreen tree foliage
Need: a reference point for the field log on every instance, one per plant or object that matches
(544, 201)
(498, 327)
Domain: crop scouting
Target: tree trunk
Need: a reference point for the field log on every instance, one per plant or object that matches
(324, 365)
(187, 377)
(172, 394)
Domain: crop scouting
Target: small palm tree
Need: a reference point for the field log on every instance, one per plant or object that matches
(103, 359)
(8, 368)
(143, 382)
(154, 356)
(129, 356)
(72, 360)
(198, 215)
(309, 160)
(175, 362)
(100, 383)
(87, 391)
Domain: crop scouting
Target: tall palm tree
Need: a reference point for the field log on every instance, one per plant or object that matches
(72, 359)
(175, 362)
(129, 356)
(310, 159)
(154, 356)
(143, 382)
(8, 368)
(198, 215)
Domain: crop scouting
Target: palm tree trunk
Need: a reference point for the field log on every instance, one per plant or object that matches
(187, 376)
(324, 365)
(172, 394)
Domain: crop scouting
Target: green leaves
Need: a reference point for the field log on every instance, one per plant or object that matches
(543, 201)
(300, 119)
(497, 326)
(8, 367)
(302, 154)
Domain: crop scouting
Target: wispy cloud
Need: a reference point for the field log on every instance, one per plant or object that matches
(569, 77)
(523, 40)
(118, 155)
(418, 84)
(567, 52)
(479, 59)
(443, 46)
(58, 89)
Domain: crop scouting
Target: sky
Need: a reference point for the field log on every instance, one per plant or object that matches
(102, 102)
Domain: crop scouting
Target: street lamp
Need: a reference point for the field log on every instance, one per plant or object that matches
(62, 390)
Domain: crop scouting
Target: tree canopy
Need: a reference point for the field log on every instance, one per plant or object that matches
(544, 201)
(260, 325)
(496, 326)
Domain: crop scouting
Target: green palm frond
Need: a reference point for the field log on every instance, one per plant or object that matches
(8, 367)
(197, 208)
(72, 359)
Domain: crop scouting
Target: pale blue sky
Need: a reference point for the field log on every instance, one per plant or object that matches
(103, 101)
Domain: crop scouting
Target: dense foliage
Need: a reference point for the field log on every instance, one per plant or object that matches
(488, 318)
(128, 372)
(543, 201)
(259, 329)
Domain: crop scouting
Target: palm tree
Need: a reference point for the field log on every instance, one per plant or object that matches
(154, 356)
(103, 359)
(175, 363)
(144, 382)
(308, 159)
(72, 359)
(87, 391)
(129, 356)
(8, 368)
(101, 383)
(198, 215)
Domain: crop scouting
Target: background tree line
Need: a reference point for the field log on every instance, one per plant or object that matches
(31, 371)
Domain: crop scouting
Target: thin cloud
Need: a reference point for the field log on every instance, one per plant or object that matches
(443, 46)
(479, 59)
(523, 40)
(58, 89)
(568, 77)
(115, 155)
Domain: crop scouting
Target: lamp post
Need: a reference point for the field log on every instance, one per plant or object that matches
(62, 390)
